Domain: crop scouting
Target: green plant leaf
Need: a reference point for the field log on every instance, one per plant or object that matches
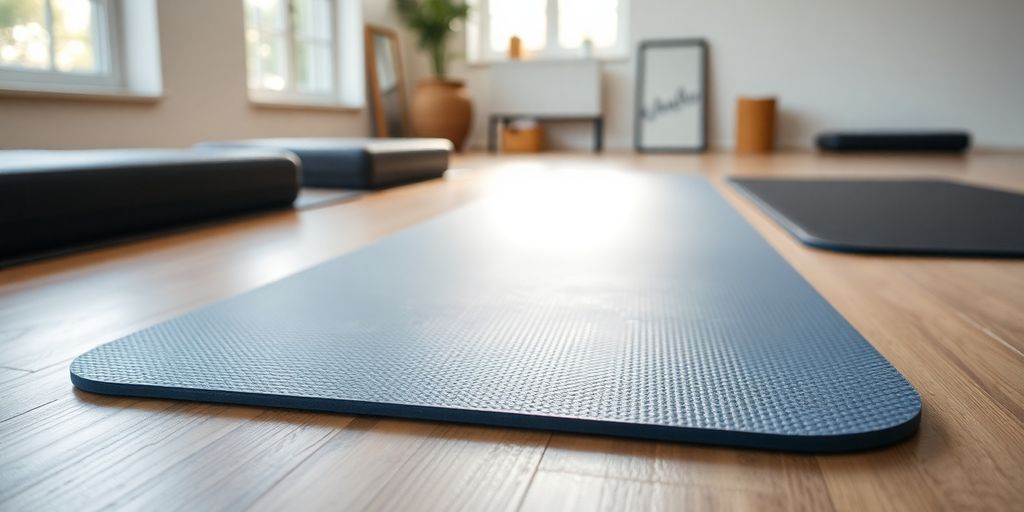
(432, 21)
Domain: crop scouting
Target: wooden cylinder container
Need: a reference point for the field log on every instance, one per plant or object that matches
(755, 125)
(515, 48)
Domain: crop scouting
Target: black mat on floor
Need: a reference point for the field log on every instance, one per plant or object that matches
(921, 216)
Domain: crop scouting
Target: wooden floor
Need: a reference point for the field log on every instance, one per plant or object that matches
(954, 327)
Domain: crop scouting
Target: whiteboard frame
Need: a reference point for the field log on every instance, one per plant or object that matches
(702, 79)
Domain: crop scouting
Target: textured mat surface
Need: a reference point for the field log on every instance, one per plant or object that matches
(640, 306)
(894, 216)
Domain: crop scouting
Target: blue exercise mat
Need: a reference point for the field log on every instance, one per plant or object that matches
(605, 303)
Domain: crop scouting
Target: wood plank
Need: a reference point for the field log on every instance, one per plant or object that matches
(34, 390)
(995, 288)
(791, 477)
(235, 470)
(9, 374)
(465, 467)
(560, 491)
(359, 459)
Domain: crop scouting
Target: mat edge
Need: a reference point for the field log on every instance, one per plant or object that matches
(843, 443)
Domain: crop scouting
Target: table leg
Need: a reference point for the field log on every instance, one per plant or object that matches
(492, 134)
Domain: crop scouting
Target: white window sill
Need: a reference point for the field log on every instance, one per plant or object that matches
(285, 100)
(88, 94)
(478, 63)
(281, 104)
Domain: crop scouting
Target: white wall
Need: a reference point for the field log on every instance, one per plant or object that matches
(833, 63)
(203, 59)
(847, 64)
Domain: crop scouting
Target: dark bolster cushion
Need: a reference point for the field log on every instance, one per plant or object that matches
(358, 163)
(50, 199)
(949, 142)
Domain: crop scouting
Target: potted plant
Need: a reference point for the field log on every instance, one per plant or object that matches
(440, 105)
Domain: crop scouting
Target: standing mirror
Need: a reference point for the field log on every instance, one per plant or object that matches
(671, 96)
(385, 83)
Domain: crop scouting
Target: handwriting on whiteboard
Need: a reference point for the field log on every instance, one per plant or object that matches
(661, 106)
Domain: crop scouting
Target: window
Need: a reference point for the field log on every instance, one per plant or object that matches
(298, 53)
(77, 46)
(59, 41)
(547, 28)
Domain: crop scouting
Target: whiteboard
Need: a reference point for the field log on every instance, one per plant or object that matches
(672, 100)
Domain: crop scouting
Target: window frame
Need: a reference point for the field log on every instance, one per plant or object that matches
(107, 42)
(340, 94)
(478, 48)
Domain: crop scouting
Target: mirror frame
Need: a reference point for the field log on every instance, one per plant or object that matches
(377, 115)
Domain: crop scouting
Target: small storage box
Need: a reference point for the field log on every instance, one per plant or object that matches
(522, 138)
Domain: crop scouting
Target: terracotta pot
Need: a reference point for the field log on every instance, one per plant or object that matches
(441, 108)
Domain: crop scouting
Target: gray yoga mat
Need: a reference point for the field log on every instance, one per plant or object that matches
(614, 304)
